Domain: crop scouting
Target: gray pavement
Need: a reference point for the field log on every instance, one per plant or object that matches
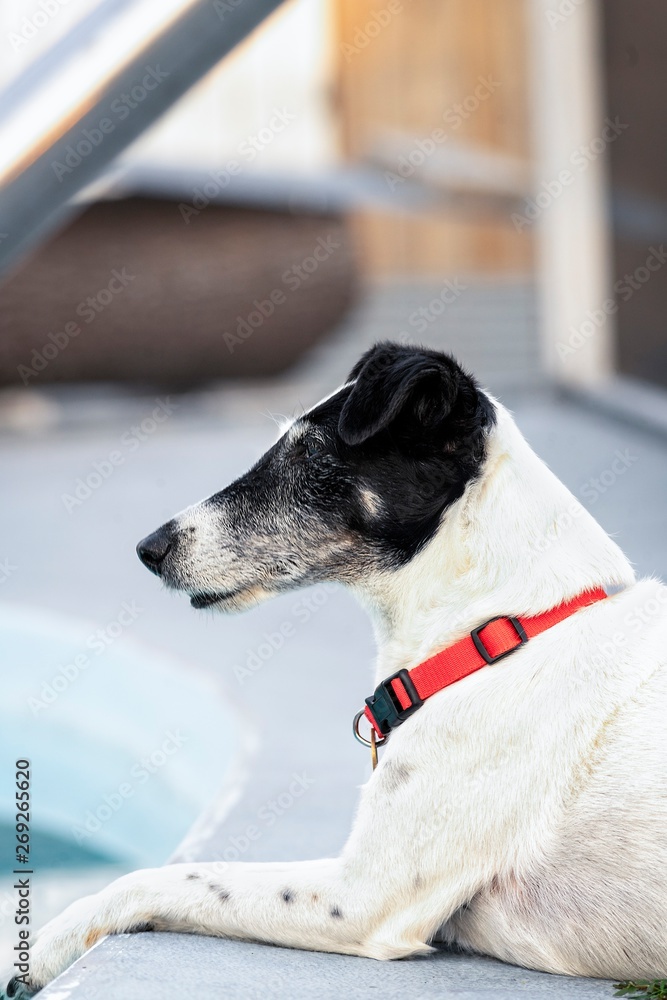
(82, 562)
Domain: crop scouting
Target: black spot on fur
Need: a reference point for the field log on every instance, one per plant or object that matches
(288, 896)
(141, 928)
(335, 912)
(193, 875)
(221, 893)
(394, 774)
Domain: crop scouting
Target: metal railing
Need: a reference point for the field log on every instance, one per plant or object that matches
(70, 114)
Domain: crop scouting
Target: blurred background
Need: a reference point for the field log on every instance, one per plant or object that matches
(512, 145)
(484, 176)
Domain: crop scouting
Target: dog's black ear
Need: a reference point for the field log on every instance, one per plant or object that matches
(392, 381)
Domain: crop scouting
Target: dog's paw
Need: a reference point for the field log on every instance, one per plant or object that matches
(58, 944)
(18, 989)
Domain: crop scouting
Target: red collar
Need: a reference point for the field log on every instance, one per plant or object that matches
(404, 692)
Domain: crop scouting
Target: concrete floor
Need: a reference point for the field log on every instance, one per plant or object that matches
(82, 562)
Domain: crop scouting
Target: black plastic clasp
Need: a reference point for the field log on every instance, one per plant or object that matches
(385, 706)
(481, 648)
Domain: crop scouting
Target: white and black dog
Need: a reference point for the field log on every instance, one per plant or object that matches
(520, 812)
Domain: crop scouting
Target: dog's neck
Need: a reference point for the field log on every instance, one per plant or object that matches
(517, 542)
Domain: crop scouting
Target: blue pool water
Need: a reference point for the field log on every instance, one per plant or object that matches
(126, 747)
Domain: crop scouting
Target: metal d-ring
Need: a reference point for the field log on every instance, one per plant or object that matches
(362, 739)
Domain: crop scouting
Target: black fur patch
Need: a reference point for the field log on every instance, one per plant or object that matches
(142, 928)
(412, 430)
(335, 912)
(288, 896)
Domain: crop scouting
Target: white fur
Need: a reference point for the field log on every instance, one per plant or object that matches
(521, 812)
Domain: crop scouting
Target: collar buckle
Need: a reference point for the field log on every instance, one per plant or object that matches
(385, 707)
(481, 648)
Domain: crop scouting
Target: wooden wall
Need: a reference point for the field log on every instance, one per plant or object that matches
(402, 67)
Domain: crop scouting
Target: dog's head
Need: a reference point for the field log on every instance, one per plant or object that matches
(359, 483)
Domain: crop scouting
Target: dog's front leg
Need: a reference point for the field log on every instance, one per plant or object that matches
(312, 904)
(383, 898)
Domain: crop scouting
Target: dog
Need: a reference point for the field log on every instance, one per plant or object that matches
(518, 812)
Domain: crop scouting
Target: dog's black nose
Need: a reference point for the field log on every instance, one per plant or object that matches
(153, 549)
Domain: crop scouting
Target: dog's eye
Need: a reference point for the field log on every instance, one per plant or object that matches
(313, 448)
(307, 448)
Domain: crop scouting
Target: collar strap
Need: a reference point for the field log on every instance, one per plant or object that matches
(397, 697)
